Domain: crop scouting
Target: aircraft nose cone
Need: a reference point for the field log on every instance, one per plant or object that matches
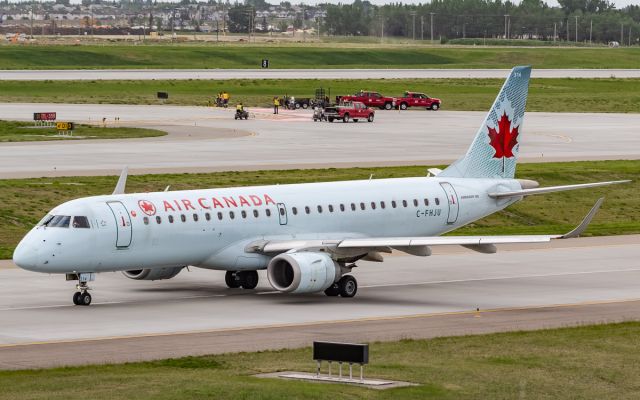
(26, 256)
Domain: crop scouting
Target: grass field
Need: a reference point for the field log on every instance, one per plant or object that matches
(25, 201)
(13, 131)
(308, 56)
(555, 95)
(589, 362)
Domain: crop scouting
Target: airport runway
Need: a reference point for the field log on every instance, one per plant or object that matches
(205, 139)
(218, 74)
(576, 281)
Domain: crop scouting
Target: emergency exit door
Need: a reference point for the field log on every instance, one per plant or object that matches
(123, 224)
(452, 199)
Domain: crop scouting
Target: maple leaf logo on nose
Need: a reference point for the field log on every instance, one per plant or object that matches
(147, 207)
(504, 139)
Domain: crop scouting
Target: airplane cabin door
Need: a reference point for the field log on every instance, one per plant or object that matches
(282, 213)
(123, 224)
(452, 199)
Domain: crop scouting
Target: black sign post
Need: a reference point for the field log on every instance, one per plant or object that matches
(341, 352)
(265, 63)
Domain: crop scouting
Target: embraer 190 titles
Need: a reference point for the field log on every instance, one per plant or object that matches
(308, 237)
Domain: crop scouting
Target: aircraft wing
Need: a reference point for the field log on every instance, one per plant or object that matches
(412, 245)
(551, 189)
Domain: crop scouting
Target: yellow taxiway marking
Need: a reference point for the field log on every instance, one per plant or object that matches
(474, 313)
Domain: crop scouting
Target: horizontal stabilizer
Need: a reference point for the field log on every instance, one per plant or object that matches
(551, 189)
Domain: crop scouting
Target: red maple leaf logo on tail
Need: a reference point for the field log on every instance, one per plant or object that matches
(147, 207)
(504, 139)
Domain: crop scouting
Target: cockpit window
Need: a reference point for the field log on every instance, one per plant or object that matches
(81, 222)
(58, 221)
(44, 221)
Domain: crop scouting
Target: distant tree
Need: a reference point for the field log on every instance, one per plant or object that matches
(240, 18)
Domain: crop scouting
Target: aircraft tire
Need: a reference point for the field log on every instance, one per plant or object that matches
(230, 280)
(249, 279)
(333, 290)
(76, 298)
(348, 286)
(85, 299)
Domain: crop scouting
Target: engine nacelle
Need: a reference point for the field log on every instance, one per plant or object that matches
(302, 272)
(152, 274)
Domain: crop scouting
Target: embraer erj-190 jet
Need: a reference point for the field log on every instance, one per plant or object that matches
(307, 236)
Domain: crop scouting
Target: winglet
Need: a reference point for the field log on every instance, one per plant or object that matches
(578, 230)
(122, 181)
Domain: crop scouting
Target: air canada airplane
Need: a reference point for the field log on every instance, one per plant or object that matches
(307, 236)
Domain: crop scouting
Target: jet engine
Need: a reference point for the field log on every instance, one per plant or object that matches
(152, 274)
(303, 272)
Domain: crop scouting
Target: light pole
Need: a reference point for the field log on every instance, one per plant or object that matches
(422, 27)
(506, 16)
(576, 29)
(413, 15)
(431, 14)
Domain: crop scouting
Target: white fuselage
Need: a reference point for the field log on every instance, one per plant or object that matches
(212, 227)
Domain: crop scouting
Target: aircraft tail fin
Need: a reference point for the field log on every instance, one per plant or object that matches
(494, 151)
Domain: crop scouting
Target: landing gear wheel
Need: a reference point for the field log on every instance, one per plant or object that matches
(76, 298)
(85, 299)
(249, 279)
(231, 280)
(333, 290)
(348, 286)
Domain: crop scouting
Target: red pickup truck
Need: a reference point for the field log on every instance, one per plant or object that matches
(415, 99)
(370, 99)
(348, 110)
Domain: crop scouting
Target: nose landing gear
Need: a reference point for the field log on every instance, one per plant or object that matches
(82, 296)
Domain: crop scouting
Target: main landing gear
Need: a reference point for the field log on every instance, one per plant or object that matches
(82, 296)
(243, 279)
(347, 286)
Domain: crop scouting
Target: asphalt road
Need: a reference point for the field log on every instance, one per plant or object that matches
(182, 74)
(521, 287)
(204, 139)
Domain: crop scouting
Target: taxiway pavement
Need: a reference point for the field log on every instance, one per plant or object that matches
(205, 139)
(218, 74)
(569, 282)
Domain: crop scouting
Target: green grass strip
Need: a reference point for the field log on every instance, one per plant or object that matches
(588, 362)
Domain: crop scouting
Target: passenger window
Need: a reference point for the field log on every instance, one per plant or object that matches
(207, 216)
(170, 219)
(81, 222)
(231, 215)
(437, 201)
(255, 213)
(362, 206)
(158, 219)
(145, 220)
(220, 216)
(243, 213)
(342, 207)
(183, 218)
(404, 203)
(353, 207)
(330, 208)
(268, 212)
(382, 204)
(393, 203)
(426, 202)
(373, 205)
(195, 217)
(415, 202)
(319, 209)
(295, 210)
(306, 209)
(282, 211)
